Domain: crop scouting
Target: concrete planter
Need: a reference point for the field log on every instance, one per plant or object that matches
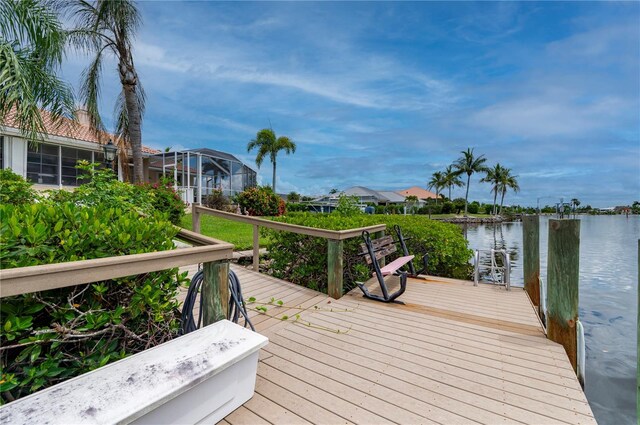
(198, 378)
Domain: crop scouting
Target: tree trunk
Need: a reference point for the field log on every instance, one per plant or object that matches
(129, 80)
(502, 200)
(466, 196)
(449, 193)
(273, 183)
(437, 196)
(495, 197)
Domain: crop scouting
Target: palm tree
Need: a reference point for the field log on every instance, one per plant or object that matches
(575, 202)
(469, 164)
(31, 50)
(494, 176)
(108, 27)
(268, 144)
(507, 182)
(436, 183)
(451, 179)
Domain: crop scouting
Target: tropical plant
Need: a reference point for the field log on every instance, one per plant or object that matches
(575, 203)
(437, 183)
(103, 27)
(494, 176)
(347, 206)
(216, 200)
(468, 164)
(451, 179)
(267, 144)
(31, 49)
(293, 197)
(261, 201)
(411, 201)
(507, 182)
(14, 189)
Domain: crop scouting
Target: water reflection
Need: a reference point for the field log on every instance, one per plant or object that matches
(608, 302)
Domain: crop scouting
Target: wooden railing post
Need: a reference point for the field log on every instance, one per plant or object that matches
(195, 218)
(256, 248)
(334, 267)
(562, 284)
(215, 292)
(531, 258)
(377, 235)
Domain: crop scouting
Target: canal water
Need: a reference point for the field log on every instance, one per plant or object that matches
(608, 302)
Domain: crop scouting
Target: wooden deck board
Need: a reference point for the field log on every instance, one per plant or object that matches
(453, 354)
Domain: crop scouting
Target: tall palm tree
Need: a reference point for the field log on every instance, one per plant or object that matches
(31, 49)
(436, 183)
(468, 164)
(106, 27)
(507, 182)
(451, 179)
(494, 176)
(268, 144)
(575, 203)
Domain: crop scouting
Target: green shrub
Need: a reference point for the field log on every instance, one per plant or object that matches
(473, 207)
(261, 201)
(14, 189)
(347, 206)
(164, 199)
(103, 188)
(216, 200)
(303, 259)
(53, 335)
(297, 207)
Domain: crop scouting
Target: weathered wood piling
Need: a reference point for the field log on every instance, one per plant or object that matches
(531, 258)
(562, 284)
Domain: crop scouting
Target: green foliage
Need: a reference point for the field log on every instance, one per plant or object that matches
(261, 201)
(163, 198)
(103, 188)
(50, 336)
(14, 189)
(303, 259)
(239, 234)
(293, 197)
(297, 207)
(216, 200)
(347, 206)
(474, 207)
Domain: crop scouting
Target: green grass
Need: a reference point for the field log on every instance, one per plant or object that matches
(239, 234)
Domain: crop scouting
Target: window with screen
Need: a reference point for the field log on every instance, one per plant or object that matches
(42, 163)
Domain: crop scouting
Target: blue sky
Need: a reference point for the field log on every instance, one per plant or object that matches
(384, 94)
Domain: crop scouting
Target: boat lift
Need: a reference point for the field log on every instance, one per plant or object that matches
(499, 271)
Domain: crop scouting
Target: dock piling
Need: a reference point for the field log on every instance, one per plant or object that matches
(335, 268)
(215, 292)
(562, 284)
(531, 258)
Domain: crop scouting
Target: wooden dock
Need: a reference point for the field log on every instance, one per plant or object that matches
(453, 354)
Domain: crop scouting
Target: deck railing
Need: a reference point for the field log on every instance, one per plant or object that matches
(214, 254)
(335, 240)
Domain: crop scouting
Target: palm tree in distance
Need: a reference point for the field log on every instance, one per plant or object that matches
(31, 49)
(268, 144)
(451, 179)
(575, 203)
(108, 27)
(469, 164)
(507, 182)
(494, 176)
(436, 183)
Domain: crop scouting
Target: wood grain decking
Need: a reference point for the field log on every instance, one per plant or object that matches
(453, 354)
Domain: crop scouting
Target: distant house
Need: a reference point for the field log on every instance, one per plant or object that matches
(366, 196)
(418, 192)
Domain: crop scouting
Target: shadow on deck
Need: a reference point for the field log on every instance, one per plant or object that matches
(453, 354)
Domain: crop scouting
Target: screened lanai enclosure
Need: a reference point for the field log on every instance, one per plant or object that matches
(198, 172)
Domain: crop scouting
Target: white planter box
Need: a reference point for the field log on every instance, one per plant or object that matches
(198, 378)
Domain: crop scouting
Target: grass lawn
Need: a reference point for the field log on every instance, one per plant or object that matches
(239, 234)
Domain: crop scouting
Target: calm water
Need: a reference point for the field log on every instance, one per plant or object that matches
(608, 303)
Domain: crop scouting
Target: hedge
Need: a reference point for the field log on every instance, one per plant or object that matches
(303, 259)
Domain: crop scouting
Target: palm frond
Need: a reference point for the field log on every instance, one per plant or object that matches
(90, 90)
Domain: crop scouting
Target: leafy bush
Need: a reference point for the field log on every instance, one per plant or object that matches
(103, 188)
(50, 336)
(303, 259)
(347, 206)
(473, 207)
(14, 189)
(297, 207)
(164, 198)
(216, 200)
(261, 201)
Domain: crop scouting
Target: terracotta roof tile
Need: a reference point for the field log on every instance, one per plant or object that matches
(70, 129)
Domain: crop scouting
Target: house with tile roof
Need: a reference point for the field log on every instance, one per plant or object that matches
(418, 192)
(51, 163)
